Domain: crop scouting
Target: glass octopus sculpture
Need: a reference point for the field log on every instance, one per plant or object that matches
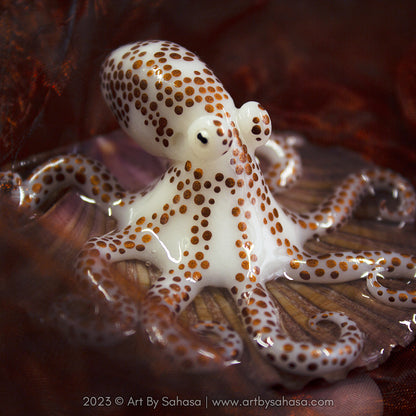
(211, 219)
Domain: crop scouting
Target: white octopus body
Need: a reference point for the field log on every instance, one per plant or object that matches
(168, 245)
(212, 218)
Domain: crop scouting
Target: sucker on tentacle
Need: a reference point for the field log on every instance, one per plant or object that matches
(212, 218)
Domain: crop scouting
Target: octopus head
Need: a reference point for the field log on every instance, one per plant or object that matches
(171, 103)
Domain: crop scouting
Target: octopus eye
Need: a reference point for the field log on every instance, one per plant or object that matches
(202, 138)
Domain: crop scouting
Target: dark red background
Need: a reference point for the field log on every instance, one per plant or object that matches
(341, 72)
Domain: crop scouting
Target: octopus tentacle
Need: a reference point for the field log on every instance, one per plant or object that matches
(261, 319)
(402, 190)
(91, 178)
(10, 184)
(343, 267)
(117, 313)
(336, 209)
(393, 265)
(86, 323)
(158, 314)
(331, 267)
(389, 296)
(230, 343)
(283, 160)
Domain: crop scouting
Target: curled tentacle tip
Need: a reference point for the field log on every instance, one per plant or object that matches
(405, 213)
(228, 340)
(393, 297)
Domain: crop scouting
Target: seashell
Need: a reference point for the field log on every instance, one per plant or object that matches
(71, 221)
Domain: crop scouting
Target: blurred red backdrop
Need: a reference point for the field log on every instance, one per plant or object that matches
(341, 72)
